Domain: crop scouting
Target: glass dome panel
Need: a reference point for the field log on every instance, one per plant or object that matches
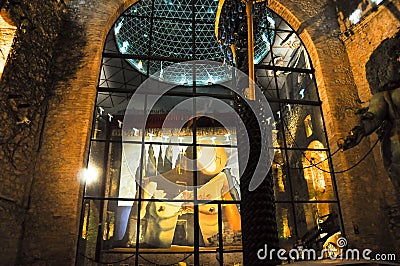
(165, 30)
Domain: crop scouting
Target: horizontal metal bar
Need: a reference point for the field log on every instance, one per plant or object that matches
(145, 57)
(191, 144)
(164, 200)
(169, 93)
(299, 102)
(200, 21)
(305, 201)
(217, 96)
(181, 144)
(285, 69)
(128, 251)
(300, 149)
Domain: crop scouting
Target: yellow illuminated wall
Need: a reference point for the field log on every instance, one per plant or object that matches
(317, 177)
(7, 33)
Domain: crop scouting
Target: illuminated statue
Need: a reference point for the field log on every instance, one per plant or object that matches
(383, 113)
(177, 184)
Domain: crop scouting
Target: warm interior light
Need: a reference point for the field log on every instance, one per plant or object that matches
(6, 39)
(89, 175)
(211, 160)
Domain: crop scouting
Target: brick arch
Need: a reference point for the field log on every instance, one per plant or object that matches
(298, 23)
(7, 17)
(314, 26)
(326, 51)
(116, 13)
(66, 146)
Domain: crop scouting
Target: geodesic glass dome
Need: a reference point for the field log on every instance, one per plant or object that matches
(166, 32)
(148, 37)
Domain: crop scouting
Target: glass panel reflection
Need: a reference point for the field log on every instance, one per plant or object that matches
(287, 85)
(288, 51)
(94, 176)
(103, 174)
(310, 174)
(181, 258)
(317, 223)
(169, 119)
(145, 154)
(292, 119)
(231, 230)
(279, 170)
(285, 222)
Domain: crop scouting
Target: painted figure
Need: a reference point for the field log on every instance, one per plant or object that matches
(164, 217)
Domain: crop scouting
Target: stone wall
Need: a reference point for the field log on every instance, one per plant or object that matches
(361, 39)
(36, 72)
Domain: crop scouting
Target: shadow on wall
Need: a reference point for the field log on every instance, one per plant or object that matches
(347, 7)
(393, 9)
(352, 12)
(313, 20)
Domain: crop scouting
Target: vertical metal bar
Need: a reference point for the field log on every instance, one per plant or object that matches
(102, 192)
(331, 169)
(196, 232)
(332, 174)
(220, 238)
(142, 147)
(150, 37)
(285, 148)
(139, 199)
(84, 186)
(250, 93)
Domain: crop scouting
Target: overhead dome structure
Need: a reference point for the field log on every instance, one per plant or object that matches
(161, 39)
(172, 31)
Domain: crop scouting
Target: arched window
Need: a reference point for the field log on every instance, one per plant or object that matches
(130, 213)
